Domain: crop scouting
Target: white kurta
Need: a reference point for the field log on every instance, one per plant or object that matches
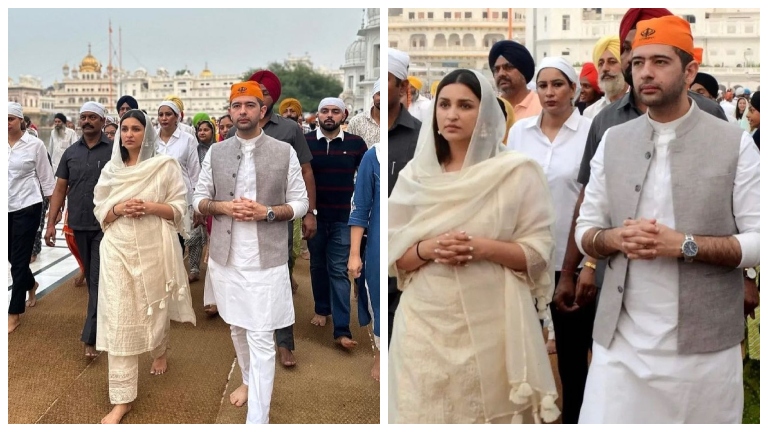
(58, 144)
(247, 295)
(421, 109)
(640, 377)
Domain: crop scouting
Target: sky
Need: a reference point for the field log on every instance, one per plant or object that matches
(231, 40)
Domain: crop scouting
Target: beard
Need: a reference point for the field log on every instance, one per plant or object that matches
(664, 96)
(377, 105)
(612, 87)
(294, 118)
(330, 128)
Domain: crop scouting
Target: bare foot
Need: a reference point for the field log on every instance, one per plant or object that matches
(159, 365)
(305, 254)
(33, 259)
(319, 320)
(116, 414)
(375, 370)
(32, 301)
(294, 285)
(194, 277)
(80, 280)
(286, 357)
(14, 320)
(90, 351)
(211, 310)
(240, 396)
(551, 349)
(346, 342)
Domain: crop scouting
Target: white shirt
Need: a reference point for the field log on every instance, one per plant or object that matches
(247, 295)
(28, 171)
(320, 136)
(420, 108)
(560, 160)
(183, 147)
(729, 108)
(57, 144)
(188, 129)
(591, 111)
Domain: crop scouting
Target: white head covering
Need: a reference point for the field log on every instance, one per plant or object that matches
(376, 87)
(427, 202)
(563, 66)
(148, 147)
(95, 108)
(332, 101)
(398, 63)
(109, 120)
(14, 109)
(172, 106)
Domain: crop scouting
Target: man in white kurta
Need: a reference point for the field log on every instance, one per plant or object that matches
(61, 138)
(252, 299)
(641, 376)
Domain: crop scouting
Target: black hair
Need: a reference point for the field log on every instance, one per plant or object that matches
(503, 107)
(223, 117)
(685, 58)
(458, 76)
(210, 125)
(134, 113)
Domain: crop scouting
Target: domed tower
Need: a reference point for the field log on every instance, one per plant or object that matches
(90, 64)
(206, 73)
(373, 17)
(65, 70)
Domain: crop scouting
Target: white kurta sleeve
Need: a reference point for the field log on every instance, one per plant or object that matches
(594, 212)
(193, 163)
(746, 201)
(204, 186)
(296, 192)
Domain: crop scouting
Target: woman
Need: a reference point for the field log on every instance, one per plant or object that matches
(140, 203)
(110, 130)
(30, 180)
(742, 105)
(182, 147)
(225, 122)
(753, 116)
(470, 241)
(366, 215)
(556, 139)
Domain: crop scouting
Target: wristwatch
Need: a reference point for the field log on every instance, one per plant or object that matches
(314, 212)
(689, 248)
(270, 214)
(750, 273)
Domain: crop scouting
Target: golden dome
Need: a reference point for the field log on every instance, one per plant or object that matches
(89, 63)
(206, 73)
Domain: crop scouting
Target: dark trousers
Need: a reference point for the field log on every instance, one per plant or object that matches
(573, 339)
(394, 300)
(22, 227)
(88, 243)
(284, 336)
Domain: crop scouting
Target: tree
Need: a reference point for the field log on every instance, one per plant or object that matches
(302, 83)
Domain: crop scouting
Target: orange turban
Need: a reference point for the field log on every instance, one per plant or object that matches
(589, 72)
(246, 88)
(698, 55)
(293, 103)
(669, 30)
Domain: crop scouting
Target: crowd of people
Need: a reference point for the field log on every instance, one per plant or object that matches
(623, 202)
(239, 193)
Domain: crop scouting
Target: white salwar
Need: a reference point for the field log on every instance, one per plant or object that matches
(253, 300)
(640, 377)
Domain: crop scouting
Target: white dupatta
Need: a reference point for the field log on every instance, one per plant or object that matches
(427, 202)
(119, 183)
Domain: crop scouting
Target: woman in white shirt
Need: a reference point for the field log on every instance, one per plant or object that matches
(556, 139)
(181, 146)
(28, 172)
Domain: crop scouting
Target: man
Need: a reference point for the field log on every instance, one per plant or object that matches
(288, 131)
(224, 124)
(728, 104)
(30, 127)
(290, 108)
(420, 106)
(403, 133)
(125, 104)
(61, 138)
(77, 174)
(513, 67)
(575, 296)
(366, 123)
(182, 124)
(252, 185)
(668, 332)
(590, 88)
(607, 57)
(335, 158)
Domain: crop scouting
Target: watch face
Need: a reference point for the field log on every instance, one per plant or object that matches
(751, 273)
(690, 249)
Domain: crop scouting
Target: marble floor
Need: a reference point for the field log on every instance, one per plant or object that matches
(53, 267)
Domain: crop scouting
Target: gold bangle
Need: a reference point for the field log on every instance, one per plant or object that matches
(591, 265)
(594, 239)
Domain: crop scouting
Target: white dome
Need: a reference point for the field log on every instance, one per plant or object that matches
(355, 53)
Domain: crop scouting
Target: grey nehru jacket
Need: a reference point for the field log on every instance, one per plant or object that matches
(703, 159)
(271, 158)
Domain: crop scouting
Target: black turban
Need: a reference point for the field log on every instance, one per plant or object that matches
(708, 82)
(755, 101)
(130, 100)
(516, 54)
(61, 117)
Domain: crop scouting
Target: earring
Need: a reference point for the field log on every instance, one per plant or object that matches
(439, 132)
